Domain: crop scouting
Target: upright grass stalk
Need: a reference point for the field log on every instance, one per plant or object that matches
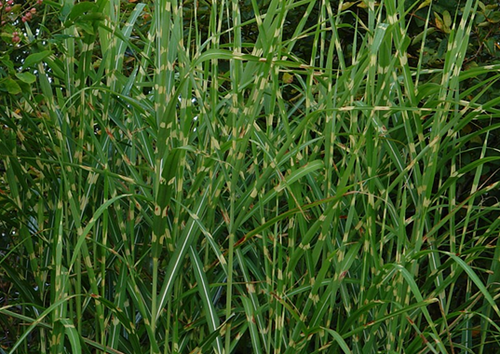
(196, 180)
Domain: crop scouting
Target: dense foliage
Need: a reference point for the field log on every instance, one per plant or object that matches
(266, 176)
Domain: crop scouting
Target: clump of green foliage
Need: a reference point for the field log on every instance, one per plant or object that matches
(252, 176)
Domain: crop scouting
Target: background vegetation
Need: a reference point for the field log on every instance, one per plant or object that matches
(235, 176)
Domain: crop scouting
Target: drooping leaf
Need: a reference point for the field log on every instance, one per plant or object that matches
(11, 86)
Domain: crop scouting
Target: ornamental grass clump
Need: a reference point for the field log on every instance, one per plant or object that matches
(262, 176)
